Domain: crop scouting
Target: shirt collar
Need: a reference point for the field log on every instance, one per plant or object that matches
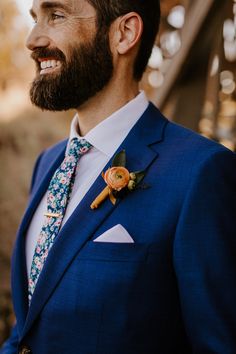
(109, 134)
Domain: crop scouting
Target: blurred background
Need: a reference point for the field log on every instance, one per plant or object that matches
(190, 77)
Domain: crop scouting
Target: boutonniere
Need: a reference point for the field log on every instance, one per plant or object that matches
(118, 180)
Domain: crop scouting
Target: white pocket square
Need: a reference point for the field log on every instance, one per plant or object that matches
(116, 234)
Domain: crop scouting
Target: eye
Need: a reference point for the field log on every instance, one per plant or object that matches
(33, 20)
(55, 16)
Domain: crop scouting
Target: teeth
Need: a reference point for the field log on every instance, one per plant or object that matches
(43, 65)
(49, 64)
(53, 63)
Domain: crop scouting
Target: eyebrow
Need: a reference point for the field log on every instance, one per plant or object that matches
(50, 5)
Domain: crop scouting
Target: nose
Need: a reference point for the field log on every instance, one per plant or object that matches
(37, 38)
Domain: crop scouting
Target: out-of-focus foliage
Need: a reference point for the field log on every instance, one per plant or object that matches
(13, 31)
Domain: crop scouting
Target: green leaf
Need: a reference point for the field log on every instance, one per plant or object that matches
(139, 176)
(119, 159)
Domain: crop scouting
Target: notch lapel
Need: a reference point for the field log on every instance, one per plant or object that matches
(84, 222)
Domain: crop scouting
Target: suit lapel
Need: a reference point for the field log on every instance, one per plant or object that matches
(84, 222)
(19, 272)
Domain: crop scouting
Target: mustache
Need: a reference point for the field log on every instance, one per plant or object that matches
(48, 53)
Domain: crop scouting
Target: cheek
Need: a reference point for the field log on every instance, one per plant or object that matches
(73, 33)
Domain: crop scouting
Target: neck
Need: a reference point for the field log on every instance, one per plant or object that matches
(103, 104)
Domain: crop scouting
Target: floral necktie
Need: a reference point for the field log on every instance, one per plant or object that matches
(58, 195)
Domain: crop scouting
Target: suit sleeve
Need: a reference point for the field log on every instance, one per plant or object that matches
(11, 345)
(205, 256)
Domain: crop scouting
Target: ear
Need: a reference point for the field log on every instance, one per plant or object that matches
(129, 29)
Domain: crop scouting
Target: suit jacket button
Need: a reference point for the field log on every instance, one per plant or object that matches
(25, 350)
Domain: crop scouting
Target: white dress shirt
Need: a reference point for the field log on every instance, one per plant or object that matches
(105, 138)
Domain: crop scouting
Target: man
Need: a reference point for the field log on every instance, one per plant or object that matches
(150, 270)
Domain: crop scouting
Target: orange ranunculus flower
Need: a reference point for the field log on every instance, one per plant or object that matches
(117, 178)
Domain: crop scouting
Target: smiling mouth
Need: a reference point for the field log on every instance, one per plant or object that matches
(48, 65)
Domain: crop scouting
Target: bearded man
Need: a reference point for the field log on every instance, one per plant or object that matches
(140, 259)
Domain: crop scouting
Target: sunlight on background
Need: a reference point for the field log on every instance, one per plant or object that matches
(15, 58)
(24, 6)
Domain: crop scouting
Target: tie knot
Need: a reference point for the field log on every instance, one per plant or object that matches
(78, 147)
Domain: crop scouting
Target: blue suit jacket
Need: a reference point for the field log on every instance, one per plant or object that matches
(173, 290)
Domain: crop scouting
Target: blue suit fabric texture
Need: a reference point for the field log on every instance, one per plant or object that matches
(171, 291)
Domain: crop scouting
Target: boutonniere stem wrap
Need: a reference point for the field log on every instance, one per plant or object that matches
(117, 178)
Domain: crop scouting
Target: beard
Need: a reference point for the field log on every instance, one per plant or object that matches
(87, 72)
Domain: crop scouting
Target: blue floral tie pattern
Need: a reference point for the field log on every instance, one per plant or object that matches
(58, 195)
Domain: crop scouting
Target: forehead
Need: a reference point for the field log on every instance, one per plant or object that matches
(72, 6)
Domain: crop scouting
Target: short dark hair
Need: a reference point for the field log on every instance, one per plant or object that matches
(149, 11)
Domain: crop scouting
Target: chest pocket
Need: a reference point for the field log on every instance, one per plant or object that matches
(114, 252)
